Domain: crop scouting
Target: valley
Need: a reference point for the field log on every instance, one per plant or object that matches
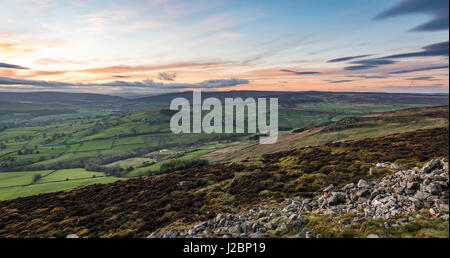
(125, 174)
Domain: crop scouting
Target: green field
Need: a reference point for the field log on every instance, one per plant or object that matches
(155, 167)
(15, 192)
(129, 140)
(95, 145)
(20, 178)
(71, 142)
(139, 143)
(132, 162)
(19, 184)
(69, 174)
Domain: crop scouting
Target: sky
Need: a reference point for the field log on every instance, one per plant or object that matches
(157, 46)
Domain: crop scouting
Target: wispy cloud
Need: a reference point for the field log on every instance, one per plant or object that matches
(298, 73)
(22, 44)
(369, 64)
(374, 61)
(359, 67)
(368, 76)
(48, 61)
(340, 81)
(438, 49)
(438, 9)
(12, 66)
(423, 78)
(208, 84)
(342, 59)
(146, 68)
(167, 76)
(421, 69)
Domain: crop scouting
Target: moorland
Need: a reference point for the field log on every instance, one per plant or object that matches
(106, 166)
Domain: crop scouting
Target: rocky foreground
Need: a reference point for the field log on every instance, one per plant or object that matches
(396, 200)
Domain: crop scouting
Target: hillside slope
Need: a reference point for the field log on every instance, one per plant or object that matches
(409, 203)
(137, 207)
(352, 128)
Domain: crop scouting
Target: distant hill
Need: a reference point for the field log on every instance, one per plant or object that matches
(285, 99)
(291, 99)
(57, 98)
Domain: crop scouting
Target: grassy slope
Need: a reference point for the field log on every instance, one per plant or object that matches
(19, 178)
(71, 142)
(98, 138)
(366, 126)
(135, 207)
(145, 170)
(20, 184)
(370, 125)
(36, 189)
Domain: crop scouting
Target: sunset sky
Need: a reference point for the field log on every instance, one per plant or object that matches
(143, 47)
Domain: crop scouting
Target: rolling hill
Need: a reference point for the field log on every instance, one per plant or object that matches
(137, 207)
(352, 128)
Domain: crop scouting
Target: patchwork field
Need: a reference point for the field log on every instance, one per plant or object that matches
(19, 184)
(137, 207)
(70, 142)
(62, 146)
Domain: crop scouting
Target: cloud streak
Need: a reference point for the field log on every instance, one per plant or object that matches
(369, 64)
(438, 9)
(368, 76)
(421, 69)
(11, 66)
(423, 78)
(207, 84)
(298, 73)
(340, 81)
(374, 61)
(166, 76)
(359, 67)
(438, 49)
(145, 68)
(347, 58)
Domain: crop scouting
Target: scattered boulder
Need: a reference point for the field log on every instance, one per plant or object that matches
(432, 164)
(328, 188)
(363, 184)
(392, 197)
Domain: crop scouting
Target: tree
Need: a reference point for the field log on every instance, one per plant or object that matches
(36, 178)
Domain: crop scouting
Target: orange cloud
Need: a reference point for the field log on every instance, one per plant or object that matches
(146, 68)
(40, 73)
(16, 43)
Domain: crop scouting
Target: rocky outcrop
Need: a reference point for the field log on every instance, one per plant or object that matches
(398, 194)
(404, 191)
